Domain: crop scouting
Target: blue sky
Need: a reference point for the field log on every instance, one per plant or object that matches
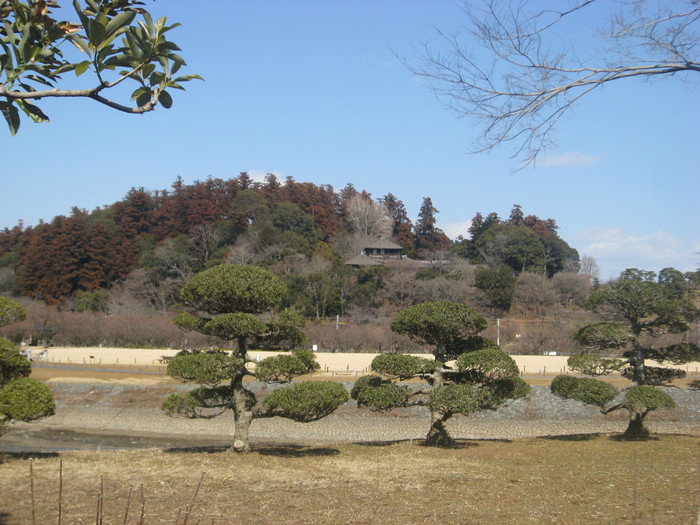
(313, 90)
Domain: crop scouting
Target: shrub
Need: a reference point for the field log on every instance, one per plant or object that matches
(306, 401)
(458, 399)
(12, 363)
(382, 397)
(283, 367)
(25, 399)
(403, 366)
(488, 364)
(588, 391)
(594, 365)
(655, 375)
(646, 398)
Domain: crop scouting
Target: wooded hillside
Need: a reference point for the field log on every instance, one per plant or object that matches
(132, 257)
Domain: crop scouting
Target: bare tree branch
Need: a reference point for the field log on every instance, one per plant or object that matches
(530, 79)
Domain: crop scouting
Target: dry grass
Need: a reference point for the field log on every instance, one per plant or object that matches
(572, 480)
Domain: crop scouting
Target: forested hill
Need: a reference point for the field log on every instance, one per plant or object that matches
(153, 241)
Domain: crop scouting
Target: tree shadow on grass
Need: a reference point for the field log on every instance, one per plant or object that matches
(26, 455)
(456, 445)
(624, 439)
(4, 517)
(295, 451)
(572, 437)
(284, 451)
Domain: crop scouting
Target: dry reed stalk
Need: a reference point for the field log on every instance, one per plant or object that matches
(100, 502)
(60, 490)
(31, 490)
(194, 498)
(128, 504)
(143, 507)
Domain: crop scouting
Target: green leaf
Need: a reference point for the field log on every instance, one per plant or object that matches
(139, 92)
(79, 10)
(165, 99)
(121, 21)
(96, 33)
(32, 111)
(186, 78)
(11, 114)
(177, 59)
(144, 98)
(147, 70)
(82, 67)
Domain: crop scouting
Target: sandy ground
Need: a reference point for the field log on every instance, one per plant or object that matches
(338, 363)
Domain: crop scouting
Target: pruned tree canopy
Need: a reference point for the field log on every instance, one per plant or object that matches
(641, 307)
(483, 377)
(234, 295)
(21, 398)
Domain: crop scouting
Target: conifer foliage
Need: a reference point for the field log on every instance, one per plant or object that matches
(232, 297)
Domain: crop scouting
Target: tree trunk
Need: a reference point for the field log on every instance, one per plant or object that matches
(636, 429)
(637, 362)
(242, 416)
(438, 435)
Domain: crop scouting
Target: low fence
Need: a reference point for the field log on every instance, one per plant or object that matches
(154, 361)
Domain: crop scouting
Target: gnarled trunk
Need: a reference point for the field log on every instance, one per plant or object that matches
(636, 428)
(438, 435)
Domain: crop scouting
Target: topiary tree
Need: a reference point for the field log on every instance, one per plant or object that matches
(640, 308)
(21, 398)
(479, 377)
(234, 296)
(11, 311)
(639, 401)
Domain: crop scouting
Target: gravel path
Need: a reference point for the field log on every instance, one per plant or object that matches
(129, 410)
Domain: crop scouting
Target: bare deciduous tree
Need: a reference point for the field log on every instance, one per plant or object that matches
(532, 76)
(589, 267)
(367, 218)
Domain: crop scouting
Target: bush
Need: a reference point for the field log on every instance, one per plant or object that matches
(646, 398)
(382, 397)
(306, 401)
(364, 382)
(458, 399)
(208, 368)
(403, 366)
(488, 364)
(12, 364)
(505, 389)
(25, 399)
(655, 375)
(283, 367)
(594, 365)
(564, 386)
(588, 391)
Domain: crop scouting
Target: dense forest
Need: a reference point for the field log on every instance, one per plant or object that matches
(87, 277)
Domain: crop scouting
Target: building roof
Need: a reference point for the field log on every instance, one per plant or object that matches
(384, 244)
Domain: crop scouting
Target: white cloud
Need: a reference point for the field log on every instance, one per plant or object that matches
(568, 160)
(259, 175)
(455, 229)
(616, 250)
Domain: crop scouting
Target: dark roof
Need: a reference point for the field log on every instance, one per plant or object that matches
(384, 244)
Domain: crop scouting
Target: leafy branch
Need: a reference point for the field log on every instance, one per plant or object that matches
(120, 42)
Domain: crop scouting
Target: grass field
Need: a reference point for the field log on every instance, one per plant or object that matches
(567, 480)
